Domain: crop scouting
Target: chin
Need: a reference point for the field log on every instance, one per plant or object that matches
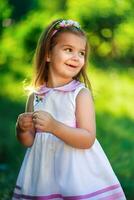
(70, 76)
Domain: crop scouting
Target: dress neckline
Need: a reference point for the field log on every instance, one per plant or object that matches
(71, 86)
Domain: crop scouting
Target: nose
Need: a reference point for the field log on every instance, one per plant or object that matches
(75, 57)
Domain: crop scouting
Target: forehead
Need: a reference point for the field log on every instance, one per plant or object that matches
(72, 40)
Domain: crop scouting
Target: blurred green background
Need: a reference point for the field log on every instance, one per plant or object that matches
(110, 29)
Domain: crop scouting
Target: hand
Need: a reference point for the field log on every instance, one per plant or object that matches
(43, 121)
(25, 122)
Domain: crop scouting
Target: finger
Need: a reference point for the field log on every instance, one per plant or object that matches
(39, 124)
(37, 121)
(26, 124)
(34, 119)
(35, 113)
(38, 117)
(26, 114)
(25, 119)
(39, 112)
(39, 127)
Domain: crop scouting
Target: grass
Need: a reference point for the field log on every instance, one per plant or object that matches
(113, 97)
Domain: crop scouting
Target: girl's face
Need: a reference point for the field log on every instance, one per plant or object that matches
(67, 57)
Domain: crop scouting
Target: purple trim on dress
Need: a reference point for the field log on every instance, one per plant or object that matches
(17, 196)
(65, 88)
(93, 194)
(52, 196)
(115, 196)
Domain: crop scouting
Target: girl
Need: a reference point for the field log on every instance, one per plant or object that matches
(64, 159)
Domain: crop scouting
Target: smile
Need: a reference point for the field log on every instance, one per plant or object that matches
(73, 66)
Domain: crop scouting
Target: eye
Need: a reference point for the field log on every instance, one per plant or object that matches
(82, 53)
(68, 50)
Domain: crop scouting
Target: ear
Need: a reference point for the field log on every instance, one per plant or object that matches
(48, 57)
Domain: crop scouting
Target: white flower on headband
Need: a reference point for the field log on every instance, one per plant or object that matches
(66, 23)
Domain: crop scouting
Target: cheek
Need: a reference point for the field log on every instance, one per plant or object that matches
(82, 61)
(60, 56)
(64, 55)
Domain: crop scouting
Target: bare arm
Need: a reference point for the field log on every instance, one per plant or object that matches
(24, 127)
(29, 103)
(81, 137)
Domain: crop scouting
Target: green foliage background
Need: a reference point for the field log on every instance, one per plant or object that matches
(109, 26)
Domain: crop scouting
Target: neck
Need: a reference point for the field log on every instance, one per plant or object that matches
(57, 81)
(53, 84)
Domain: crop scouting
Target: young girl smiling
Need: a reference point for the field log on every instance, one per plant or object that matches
(64, 159)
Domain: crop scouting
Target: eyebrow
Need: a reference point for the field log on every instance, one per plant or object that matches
(68, 45)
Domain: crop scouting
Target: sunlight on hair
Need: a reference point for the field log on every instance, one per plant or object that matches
(28, 87)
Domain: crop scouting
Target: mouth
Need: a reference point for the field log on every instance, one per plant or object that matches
(72, 66)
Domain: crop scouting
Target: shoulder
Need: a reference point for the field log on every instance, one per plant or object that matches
(29, 103)
(85, 112)
(84, 94)
(84, 101)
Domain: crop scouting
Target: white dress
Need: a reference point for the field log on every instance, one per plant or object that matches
(54, 170)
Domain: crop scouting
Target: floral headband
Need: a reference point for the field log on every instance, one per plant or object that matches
(64, 24)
